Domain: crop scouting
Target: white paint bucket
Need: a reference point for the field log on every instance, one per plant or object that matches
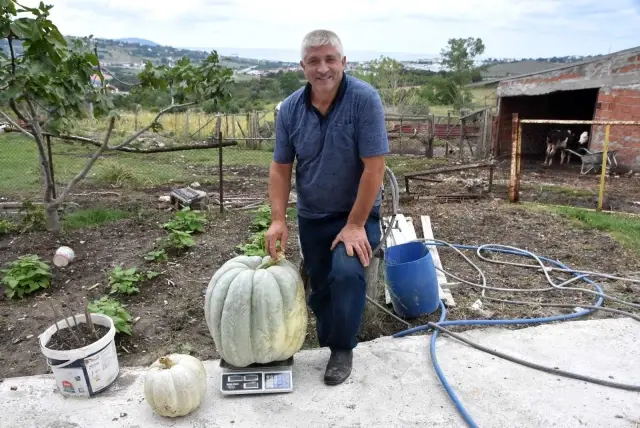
(63, 256)
(86, 371)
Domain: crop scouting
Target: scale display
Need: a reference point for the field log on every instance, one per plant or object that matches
(257, 379)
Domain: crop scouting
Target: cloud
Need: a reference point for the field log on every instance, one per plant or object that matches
(511, 28)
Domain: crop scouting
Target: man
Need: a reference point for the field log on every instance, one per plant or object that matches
(335, 128)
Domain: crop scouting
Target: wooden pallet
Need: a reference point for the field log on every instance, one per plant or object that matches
(404, 231)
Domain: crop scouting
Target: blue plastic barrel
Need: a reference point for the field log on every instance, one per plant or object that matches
(412, 280)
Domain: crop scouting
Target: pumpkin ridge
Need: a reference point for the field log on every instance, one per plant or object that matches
(213, 310)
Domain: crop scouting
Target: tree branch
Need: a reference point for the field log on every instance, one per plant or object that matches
(44, 161)
(85, 140)
(18, 127)
(88, 166)
(146, 128)
(16, 110)
(13, 55)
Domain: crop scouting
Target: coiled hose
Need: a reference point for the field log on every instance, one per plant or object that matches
(442, 324)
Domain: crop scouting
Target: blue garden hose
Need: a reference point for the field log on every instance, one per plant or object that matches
(443, 323)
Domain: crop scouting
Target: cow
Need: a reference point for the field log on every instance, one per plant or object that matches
(562, 140)
(556, 140)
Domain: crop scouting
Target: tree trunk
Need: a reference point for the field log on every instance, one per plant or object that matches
(53, 219)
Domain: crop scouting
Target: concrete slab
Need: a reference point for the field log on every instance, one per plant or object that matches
(393, 385)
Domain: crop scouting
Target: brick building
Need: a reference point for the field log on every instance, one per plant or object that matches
(607, 88)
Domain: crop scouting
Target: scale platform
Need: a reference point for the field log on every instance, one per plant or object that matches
(271, 378)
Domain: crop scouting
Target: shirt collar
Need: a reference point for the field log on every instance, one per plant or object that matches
(339, 95)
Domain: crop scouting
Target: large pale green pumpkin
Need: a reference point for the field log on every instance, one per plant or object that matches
(256, 311)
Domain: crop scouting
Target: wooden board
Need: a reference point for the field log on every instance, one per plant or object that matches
(427, 231)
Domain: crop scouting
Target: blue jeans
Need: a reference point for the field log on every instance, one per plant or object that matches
(337, 281)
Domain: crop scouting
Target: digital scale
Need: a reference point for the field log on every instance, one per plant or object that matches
(270, 378)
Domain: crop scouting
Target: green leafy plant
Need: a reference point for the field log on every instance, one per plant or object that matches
(7, 227)
(177, 241)
(26, 275)
(262, 218)
(127, 281)
(113, 309)
(156, 255)
(256, 246)
(260, 223)
(33, 217)
(187, 220)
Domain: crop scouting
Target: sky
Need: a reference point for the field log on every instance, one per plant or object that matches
(367, 28)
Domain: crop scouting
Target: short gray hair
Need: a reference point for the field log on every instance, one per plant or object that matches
(317, 38)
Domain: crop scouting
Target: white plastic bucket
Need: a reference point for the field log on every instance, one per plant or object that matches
(86, 371)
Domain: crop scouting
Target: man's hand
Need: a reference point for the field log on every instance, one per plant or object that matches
(277, 232)
(355, 238)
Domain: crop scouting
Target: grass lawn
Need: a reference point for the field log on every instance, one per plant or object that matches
(623, 228)
(19, 172)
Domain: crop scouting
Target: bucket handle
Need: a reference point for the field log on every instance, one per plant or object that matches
(59, 366)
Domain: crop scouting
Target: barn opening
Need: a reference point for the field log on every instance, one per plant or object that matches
(562, 105)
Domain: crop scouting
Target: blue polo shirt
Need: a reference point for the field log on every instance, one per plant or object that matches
(328, 149)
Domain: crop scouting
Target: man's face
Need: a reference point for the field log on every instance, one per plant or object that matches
(323, 67)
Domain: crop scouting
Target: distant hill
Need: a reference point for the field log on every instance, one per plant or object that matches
(497, 69)
(138, 40)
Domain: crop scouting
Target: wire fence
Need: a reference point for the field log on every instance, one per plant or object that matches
(180, 153)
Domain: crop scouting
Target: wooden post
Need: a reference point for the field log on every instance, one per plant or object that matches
(250, 143)
(484, 139)
(221, 186)
(603, 173)
(519, 158)
(401, 123)
(137, 117)
(461, 156)
(446, 146)
(513, 185)
(233, 126)
(186, 126)
(256, 131)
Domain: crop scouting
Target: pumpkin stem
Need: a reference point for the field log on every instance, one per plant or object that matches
(166, 362)
(267, 264)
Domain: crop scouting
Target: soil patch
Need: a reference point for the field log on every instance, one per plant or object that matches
(477, 223)
(76, 336)
(168, 311)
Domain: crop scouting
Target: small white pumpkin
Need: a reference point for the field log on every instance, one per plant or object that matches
(175, 385)
(256, 310)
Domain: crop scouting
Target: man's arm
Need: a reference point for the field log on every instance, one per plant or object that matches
(279, 188)
(370, 184)
(280, 184)
(371, 137)
(373, 144)
(281, 167)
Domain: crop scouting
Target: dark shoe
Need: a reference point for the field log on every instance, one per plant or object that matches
(338, 367)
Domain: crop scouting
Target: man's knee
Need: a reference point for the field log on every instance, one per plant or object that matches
(345, 268)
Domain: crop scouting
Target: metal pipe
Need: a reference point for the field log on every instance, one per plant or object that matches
(519, 157)
(513, 192)
(581, 122)
(603, 173)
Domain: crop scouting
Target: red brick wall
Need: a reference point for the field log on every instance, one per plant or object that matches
(619, 104)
